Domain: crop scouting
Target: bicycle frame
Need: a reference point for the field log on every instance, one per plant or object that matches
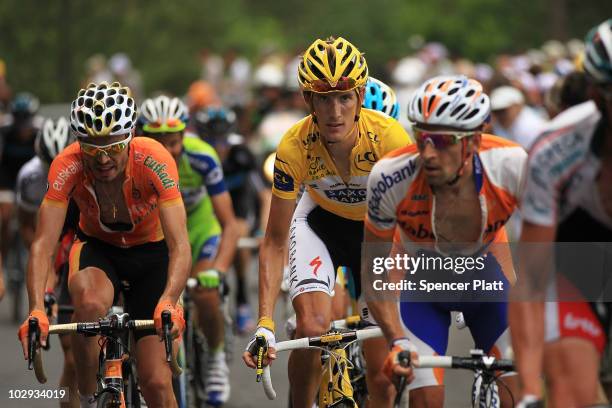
(333, 342)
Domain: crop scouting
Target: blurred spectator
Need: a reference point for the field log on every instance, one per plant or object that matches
(5, 90)
(407, 75)
(268, 83)
(97, 70)
(201, 94)
(212, 67)
(512, 119)
(122, 70)
(234, 89)
(567, 92)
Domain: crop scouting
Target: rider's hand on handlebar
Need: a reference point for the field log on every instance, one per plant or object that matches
(265, 329)
(392, 367)
(43, 324)
(176, 313)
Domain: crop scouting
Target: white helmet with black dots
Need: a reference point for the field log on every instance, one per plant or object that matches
(103, 110)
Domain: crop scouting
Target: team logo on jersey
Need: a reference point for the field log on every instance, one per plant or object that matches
(365, 161)
(160, 171)
(384, 182)
(64, 174)
(316, 264)
(347, 195)
(282, 181)
(419, 197)
(420, 233)
(310, 139)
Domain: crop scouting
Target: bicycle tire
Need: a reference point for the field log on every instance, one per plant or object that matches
(107, 400)
(196, 397)
(130, 386)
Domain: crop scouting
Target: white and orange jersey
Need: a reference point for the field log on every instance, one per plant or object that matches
(399, 196)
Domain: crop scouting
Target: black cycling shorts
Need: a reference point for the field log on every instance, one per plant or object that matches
(140, 271)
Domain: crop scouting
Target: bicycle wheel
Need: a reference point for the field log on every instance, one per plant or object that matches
(194, 359)
(109, 400)
(130, 385)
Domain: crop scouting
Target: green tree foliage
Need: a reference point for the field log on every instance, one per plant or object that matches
(45, 43)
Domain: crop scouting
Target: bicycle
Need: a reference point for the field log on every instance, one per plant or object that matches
(117, 380)
(195, 345)
(485, 392)
(336, 387)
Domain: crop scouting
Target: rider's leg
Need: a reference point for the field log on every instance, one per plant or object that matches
(69, 375)
(571, 368)
(340, 302)
(426, 325)
(575, 341)
(242, 262)
(381, 391)
(154, 375)
(145, 270)
(313, 311)
(92, 295)
(208, 303)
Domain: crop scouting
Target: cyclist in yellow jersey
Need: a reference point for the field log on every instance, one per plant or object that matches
(330, 152)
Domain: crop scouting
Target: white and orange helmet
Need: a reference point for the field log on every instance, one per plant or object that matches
(454, 101)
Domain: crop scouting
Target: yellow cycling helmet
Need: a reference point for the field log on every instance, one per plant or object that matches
(332, 65)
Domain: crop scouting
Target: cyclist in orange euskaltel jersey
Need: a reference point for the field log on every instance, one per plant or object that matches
(132, 231)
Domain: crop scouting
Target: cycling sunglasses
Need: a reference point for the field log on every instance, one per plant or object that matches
(109, 149)
(343, 84)
(170, 126)
(439, 139)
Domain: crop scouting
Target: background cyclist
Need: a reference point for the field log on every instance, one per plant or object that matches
(213, 230)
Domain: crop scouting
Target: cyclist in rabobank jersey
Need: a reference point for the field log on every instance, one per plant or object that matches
(452, 192)
(132, 231)
(331, 152)
(567, 199)
(212, 244)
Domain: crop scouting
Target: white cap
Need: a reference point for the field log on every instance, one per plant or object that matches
(269, 75)
(505, 96)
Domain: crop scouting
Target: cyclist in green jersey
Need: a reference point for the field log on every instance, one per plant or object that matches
(212, 226)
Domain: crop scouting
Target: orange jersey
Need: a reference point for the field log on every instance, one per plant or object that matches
(151, 181)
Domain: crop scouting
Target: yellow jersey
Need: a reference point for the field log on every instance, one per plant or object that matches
(302, 158)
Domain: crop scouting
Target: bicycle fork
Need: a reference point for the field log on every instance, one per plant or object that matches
(335, 382)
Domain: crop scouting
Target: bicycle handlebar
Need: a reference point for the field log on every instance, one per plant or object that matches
(85, 328)
(314, 342)
(484, 363)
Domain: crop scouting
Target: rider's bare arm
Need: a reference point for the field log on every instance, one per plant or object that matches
(527, 317)
(222, 204)
(27, 226)
(174, 225)
(49, 227)
(383, 306)
(265, 196)
(272, 254)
